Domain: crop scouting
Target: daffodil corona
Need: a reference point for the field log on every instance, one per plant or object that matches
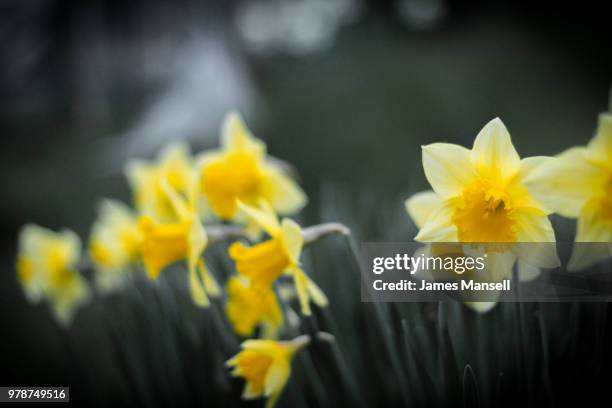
(265, 262)
(248, 307)
(46, 268)
(241, 171)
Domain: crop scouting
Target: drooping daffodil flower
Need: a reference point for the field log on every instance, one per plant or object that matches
(47, 269)
(163, 244)
(114, 244)
(174, 165)
(266, 367)
(250, 306)
(265, 262)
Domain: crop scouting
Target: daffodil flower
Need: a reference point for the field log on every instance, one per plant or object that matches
(421, 206)
(173, 165)
(242, 171)
(163, 244)
(46, 268)
(578, 184)
(266, 367)
(248, 307)
(265, 262)
(114, 244)
(480, 196)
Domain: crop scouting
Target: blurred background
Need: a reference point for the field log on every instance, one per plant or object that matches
(345, 90)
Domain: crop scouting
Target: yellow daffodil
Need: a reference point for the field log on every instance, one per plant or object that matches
(46, 268)
(578, 184)
(263, 263)
(266, 367)
(114, 244)
(480, 196)
(248, 307)
(242, 171)
(173, 165)
(162, 244)
(421, 206)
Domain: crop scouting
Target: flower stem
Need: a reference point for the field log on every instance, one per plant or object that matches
(316, 232)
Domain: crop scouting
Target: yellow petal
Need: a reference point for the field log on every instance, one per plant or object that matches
(526, 271)
(421, 205)
(528, 180)
(173, 164)
(249, 392)
(210, 283)
(269, 347)
(439, 227)
(481, 307)
(292, 239)
(448, 168)
(565, 183)
(176, 165)
(599, 149)
(264, 216)
(283, 194)
(66, 303)
(493, 151)
(180, 205)
(277, 377)
(536, 240)
(531, 164)
(269, 329)
(318, 296)
(301, 286)
(197, 242)
(29, 278)
(590, 227)
(498, 265)
(198, 294)
(533, 227)
(236, 137)
(585, 255)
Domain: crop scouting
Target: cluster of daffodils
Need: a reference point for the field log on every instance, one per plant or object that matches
(180, 204)
(489, 195)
